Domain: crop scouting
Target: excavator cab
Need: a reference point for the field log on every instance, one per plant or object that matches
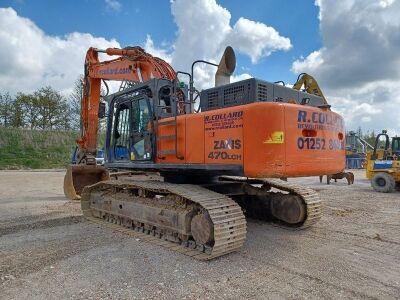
(130, 135)
(396, 147)
(131, 131)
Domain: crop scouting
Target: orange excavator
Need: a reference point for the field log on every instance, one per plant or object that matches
(186, 177)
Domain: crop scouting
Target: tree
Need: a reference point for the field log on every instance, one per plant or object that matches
(30, 107)
(53, 109)
(6, 109)
(371, 137)
(44, 109)
(75, 100)
(18, 114)
(359, 132)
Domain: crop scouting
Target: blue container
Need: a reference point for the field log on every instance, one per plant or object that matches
(354, 163)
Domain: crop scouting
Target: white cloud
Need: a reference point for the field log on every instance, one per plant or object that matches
(30, 59)
(311, 63)
(204, 30)
(256, 39)
(366, 119)
(240, 77)
(158, 52)
(114, 5)
(385, 3)
(358, 66)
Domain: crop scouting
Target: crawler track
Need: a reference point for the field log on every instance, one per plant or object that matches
(228, 220)
(309, 197)
(227, 217)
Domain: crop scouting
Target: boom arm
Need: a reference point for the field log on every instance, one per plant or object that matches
(133, 64)
(310, 85)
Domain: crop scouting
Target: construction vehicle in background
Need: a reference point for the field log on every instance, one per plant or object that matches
(216, 163)
(356, 151)
(308, 84)
(383, 163)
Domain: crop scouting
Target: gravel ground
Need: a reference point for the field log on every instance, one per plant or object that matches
(48, 251)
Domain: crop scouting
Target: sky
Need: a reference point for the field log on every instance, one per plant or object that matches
(350, 46)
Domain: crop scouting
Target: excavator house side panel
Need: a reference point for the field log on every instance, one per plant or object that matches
(269, 139)
(290, 140)
(223, 136)
(264, 140)
(314, 141)
(195, 139)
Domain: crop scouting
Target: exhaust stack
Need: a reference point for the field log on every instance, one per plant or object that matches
(226, 67)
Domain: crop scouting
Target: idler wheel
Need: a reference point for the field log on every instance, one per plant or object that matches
(288, 208)
(202, 229)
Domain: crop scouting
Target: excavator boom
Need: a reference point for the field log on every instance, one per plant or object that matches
(132, 64)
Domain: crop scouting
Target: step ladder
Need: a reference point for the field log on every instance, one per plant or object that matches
(171, 122)
(174, 151)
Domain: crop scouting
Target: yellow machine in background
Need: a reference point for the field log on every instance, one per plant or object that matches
(383, 163)
(310, 85)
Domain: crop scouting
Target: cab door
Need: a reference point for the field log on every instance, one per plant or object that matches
(141, 130)
(396, 146)
(132, 136)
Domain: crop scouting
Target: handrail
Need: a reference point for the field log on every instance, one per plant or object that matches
(192, 77)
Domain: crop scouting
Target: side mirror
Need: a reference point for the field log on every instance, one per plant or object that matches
(102, 110)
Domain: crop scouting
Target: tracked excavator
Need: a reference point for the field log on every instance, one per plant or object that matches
(216, 163)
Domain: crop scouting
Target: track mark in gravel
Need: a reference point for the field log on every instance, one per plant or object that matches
(41, 224)
(364, 236)
(396, 288)
(33, 199)
(315, 279)
(28, 219)
(376, 247)
(36, 257)
(379, 223)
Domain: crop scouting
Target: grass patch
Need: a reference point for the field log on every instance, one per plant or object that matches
(35, 149)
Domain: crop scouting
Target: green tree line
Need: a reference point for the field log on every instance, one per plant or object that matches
(369, 136)
(44, 109)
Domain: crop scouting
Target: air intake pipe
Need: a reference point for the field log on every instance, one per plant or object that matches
(226, 67)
